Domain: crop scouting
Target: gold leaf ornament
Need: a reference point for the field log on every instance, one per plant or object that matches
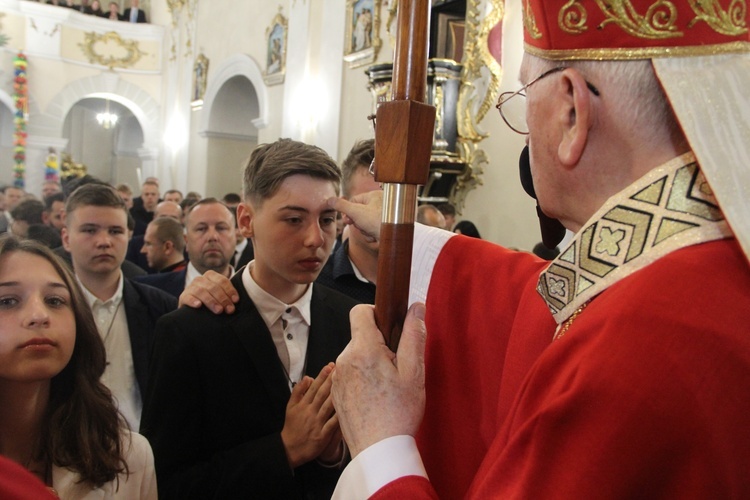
(110, 50)
(730, 22)
(658, 22)
(573, 18)
(529, 21)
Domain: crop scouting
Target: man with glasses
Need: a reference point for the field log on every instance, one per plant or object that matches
(622, 368)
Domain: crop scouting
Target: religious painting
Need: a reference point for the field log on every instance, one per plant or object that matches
(276, 36)
(362, 32)
(200, 77)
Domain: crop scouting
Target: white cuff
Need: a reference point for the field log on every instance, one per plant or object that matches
(378, 465)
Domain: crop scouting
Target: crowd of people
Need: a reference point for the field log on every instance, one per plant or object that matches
(133, 14)
(121, 264)
(620, 369)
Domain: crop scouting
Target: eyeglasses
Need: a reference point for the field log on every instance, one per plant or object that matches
(513, 111)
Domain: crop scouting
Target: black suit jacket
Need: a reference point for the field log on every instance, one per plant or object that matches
(173, 283)
(144, 305)
(141, 15)
(246, 256)
(135, 256)
(217, 401)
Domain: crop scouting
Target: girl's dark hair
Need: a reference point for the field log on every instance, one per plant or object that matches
(467, 228)
(81, 428)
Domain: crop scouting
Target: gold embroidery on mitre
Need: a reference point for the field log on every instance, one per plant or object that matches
(731, 22)
(633, 53)
(668, 209)
(573, 18)
(658, 22)
(529, 21)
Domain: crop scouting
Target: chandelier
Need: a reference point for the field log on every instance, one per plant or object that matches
(107, 119)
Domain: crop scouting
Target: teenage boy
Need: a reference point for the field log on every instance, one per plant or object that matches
(126, 312)
(233, 410)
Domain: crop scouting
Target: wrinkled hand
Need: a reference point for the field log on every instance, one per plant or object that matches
(362, 211)
(212, 290)
(378, 394)
(310, 421)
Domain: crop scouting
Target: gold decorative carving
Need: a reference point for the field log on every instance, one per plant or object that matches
(105, 49)
(572, 18)
(658, 22)
(730, 22)
(389, 23)
(176, 7)
(529, 21)
(473, 106)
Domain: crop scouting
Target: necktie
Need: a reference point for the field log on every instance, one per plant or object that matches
(133, 15)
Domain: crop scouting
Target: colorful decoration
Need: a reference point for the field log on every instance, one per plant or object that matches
(52, 170)
(21, 100)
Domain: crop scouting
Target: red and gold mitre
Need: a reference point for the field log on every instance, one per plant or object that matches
(634, 29)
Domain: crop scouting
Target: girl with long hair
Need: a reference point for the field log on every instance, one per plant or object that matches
(56, 418)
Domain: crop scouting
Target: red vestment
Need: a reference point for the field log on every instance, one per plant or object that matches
(646, 395)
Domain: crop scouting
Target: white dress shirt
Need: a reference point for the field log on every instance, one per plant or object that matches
(119, 375)
(192, 273)
(289, 325)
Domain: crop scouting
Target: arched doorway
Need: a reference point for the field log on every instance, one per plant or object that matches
(109, 151)
(231, 135)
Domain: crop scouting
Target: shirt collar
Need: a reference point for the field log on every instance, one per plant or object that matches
(270, 307)
(93, 300)
(192, 273)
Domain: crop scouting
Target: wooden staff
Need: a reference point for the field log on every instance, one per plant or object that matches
(403, 144)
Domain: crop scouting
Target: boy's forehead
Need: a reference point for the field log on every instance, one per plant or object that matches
(300, 186)
(92, 214)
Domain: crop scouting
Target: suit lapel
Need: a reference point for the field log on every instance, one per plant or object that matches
(249, 327)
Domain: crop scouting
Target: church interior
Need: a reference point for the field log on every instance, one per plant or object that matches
(186, 96)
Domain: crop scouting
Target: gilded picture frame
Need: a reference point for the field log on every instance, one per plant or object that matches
(200, 78)
(363, 42)
(276, 38)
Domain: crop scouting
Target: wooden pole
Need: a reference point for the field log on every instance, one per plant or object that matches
(403, 144)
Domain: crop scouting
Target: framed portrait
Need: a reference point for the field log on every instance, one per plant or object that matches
(276, 36)
(362, 32)
(200, 77)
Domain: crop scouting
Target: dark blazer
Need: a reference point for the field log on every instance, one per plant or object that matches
(141, 15)
(338, 274)
(135, 256)
(217, 401)
(173, 283)
(144, 305)
(246, 256)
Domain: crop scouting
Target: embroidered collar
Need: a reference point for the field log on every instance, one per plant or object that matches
(669, 208)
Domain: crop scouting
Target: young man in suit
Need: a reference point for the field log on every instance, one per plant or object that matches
(126, 312)
(233, 410)
(353, 266)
